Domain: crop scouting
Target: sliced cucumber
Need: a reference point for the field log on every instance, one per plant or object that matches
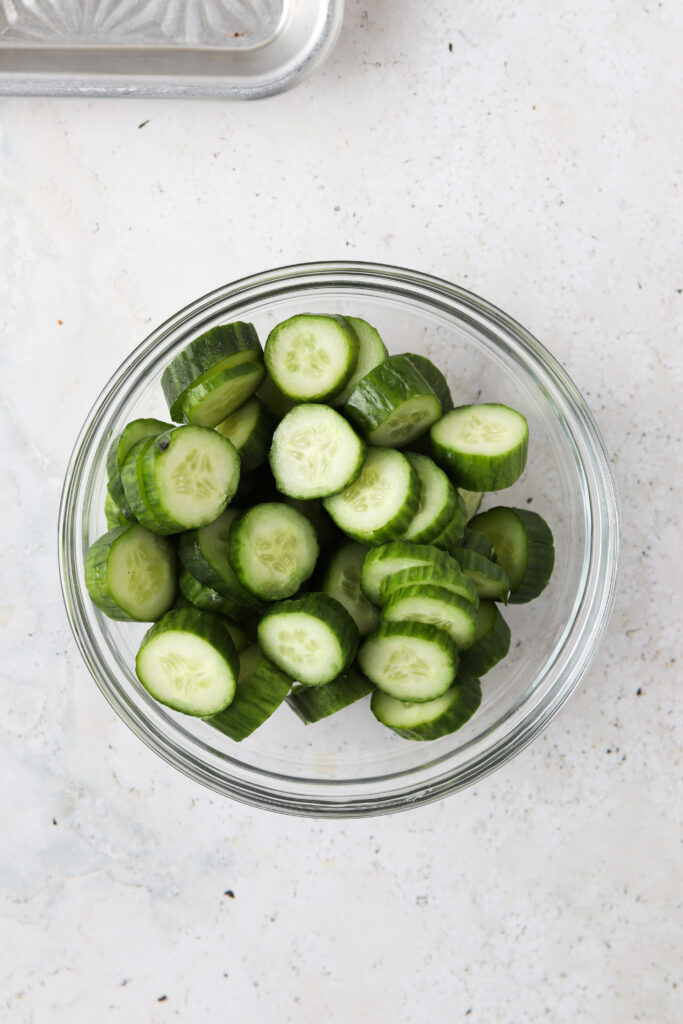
(393, 404)
(131, 478)
(250, 428)
(341, 580)
(310, 357)
(434, 377)
(113, 513)
(204, 553)
(409, 660)
(447, 575)
(524, 547)
(482, 447)
(132, 434)
(490, 579)
(438, 500)
(315, 452)
(217, 349)
(261, 688)
(434, 604)
(273, 399)
(471, 500)
(479, 542)
(272, 550)
(380, 504)
(326, 531)
(312, 703)
(186, 477)
(491, 643)
(313, 638)
(371, 352)
(430, 719)
(188, 661)
(451, 535)
(209, 600)
(238, 634)
(130, 573)
(387, 559)
(212, 399)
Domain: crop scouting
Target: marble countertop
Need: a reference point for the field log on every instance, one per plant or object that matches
(531, 153)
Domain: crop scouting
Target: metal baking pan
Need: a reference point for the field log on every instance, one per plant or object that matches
(230, 49)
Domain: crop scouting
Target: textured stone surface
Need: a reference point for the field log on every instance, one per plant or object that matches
(529, 152)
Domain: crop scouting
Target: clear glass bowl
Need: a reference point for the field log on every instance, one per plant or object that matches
(349, 764)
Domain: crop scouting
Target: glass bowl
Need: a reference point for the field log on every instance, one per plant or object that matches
(349, 764)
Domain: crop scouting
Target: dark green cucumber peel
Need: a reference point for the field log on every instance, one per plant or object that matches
(114, 514)
(474, 540)
(380, 394)
(210, 600)
(261, 688)
(524, 547)
(134, 432)
(451, 534)
(489, 578)
(455, 708)
(205, 353)
(446, 574)
(492, 643)
(434, 377)
(131, 477)
(313, 703)
(214, 570)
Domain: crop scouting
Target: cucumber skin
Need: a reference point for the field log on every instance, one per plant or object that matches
(255, 700)
(438, 525)
(474, 540)
(466, 702)
(362, 329)
(432, 591)
(131, 477)
(437, 576)
(192, 398)
(486, 651)
(313, 703)
(399, 549)
(394, 528)
(209, 600)
(114, 514)
(497, 587)
(480, 472)
(368, 613)
(352, 340)
(450, 536)
(540, 553)
(200, 355)
(193, 560)
(254, 451)
(116, 458)
(330, 611)
(382, 391)
(207, 627)
(435, 378)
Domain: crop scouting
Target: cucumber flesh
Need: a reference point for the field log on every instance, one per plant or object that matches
(482, 447)
(341, 580)
(315, 453)
(313, 639)
(393, 404)
(250, 428)
(311, 358)
(130, 573)
(524, 547)
(412, 661)
(437, 501)
(371, 352)
(434, 604)
(272, 550)
(313, 703)
(381, 502)
(431, 719)
(261, 688)
(472, 501)
(212, 399)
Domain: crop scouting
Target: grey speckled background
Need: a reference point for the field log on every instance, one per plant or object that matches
(532, 153)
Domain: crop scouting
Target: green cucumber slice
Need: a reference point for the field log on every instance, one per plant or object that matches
(438, 499)
(479, 542)
(490, 579)
(131, 478)
(313, 703)
(434, 604)
(272, 550)
(430, 719)
(524, 547)
(447, 575)
(315, 453)
(188, 662)
(472, 501)
(371, 352)
(130, 574)
(204, 553)
(209, 600)
(450, 536)
(250, 428)
(387, 559)
(311, 357)
(273, 399)
(113, 513)
(186, 476)
(341, 580)
(326, 531)
(261, 688)
(393, 404)
(313, 638)
(434, 377)
(409, 660)
(491, 643)
(132, 434)
(380, 504)
(209, 401)
(482, 447)
(217, 349)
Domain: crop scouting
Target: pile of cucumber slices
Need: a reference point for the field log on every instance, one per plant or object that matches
(306, 529)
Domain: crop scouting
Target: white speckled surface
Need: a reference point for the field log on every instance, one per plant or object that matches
(538, 163)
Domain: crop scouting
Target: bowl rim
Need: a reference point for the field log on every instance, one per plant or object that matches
(599, 584)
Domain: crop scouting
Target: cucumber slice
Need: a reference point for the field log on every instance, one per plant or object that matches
(441, 607)
(450, 537)
(131, 477)
(447, 575)
(310, 358)
(409, 660)
(188, 661)
(380, 504)
(209, 600)
(431, 719)
(341, 580)
(326, 531)
(472, 501)
(217, 349)
(132, 434)
(238, 635)
(250, 428)
(393, 404)
(491, 643)
(312, 703)
(434, 377)
(204, 553)
(273, 399)
(479, 542)
(131, 574)
(315, 453)
(261, 688)
(313, 639)
(490, 579)
(387, 559)
(272, 550)
(113, 513)
(212, 399)
(186, 477)
(482, 447)
(438, 500)
(371, 352)
(524, 547)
